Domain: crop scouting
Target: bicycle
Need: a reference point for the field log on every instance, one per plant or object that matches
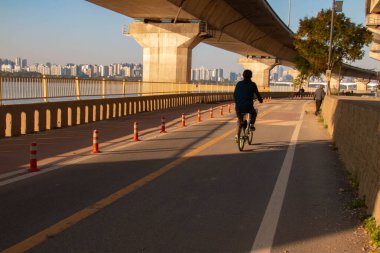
(245, 133)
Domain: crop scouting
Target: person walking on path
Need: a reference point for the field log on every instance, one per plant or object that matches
(302, 92)
(319, 95)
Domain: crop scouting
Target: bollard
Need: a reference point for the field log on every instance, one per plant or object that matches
(135, 132)
(163, 130)
(183, 120)
(211, 113)
(229, 108)
(95, 142)
(221, 110)
(199, 119)
(33, 158)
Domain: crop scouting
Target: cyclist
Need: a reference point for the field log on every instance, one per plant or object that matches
(244, 95)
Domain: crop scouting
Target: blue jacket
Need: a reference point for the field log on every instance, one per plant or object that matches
(244, 95)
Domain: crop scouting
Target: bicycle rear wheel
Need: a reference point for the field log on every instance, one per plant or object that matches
(241, 138)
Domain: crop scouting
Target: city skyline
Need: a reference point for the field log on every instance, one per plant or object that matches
(43, 31)
(132, 71)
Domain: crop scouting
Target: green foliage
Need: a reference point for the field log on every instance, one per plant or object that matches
(358, 203)
(320, 117)
(373, 230)
(297, 82)
(313, 39)
(353, 181)
(21, 74)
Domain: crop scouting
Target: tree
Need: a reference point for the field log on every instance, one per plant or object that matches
(313, 39)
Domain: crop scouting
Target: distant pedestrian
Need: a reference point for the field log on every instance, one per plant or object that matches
(302, 92)
(319, 95)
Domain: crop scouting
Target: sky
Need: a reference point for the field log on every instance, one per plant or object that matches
(77, 31)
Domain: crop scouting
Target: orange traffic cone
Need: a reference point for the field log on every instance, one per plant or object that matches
(135, 132)
(95, 142)
(33, 158)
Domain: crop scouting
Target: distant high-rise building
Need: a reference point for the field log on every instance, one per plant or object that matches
(125, 71)
(275, 77)
(104, 70)
(18, 61)
(6, 67)
(44, 70)
(233, 76)
(56, 70)
(24, 63)
(116, 69)
(66, 71)
(219, 75)
(74, 70)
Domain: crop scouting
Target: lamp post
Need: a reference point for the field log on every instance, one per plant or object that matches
(290, 8)
(329, 67)
(329, 63)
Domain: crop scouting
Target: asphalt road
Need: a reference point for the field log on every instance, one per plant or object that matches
(191, 190)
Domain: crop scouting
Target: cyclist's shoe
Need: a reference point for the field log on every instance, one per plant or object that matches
(236, 138)
(252, 127)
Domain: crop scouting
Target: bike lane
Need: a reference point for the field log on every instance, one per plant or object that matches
(213, 200)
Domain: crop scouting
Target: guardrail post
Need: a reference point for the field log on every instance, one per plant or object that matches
(124, 87)
(44, 88)
(77, 87)
(103, 87)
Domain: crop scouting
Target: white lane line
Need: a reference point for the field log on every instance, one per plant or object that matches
(12, 173)
(265, 236)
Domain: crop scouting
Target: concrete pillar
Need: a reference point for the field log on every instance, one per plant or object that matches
(335, 83)
(166, 50)
(361, 84)
(260, 68)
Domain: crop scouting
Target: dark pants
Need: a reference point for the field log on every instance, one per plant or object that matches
(318, 104)
(240, 118)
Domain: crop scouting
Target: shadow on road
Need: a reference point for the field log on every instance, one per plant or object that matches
(209, 203)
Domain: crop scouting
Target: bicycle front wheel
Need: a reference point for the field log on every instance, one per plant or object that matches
(250, 137)
(241, 139)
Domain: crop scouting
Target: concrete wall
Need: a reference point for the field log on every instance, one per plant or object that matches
(30, 118)
(21, 119)
(354, 124)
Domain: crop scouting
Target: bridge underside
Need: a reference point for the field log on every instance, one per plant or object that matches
(249, 33)
(249, 28)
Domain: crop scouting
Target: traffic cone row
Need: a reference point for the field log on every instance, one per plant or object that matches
(95, 136)
(267, 99)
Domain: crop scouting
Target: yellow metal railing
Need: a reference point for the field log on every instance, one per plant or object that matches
(38, 89)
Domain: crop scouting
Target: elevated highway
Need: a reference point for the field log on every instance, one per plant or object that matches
(249, 28)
